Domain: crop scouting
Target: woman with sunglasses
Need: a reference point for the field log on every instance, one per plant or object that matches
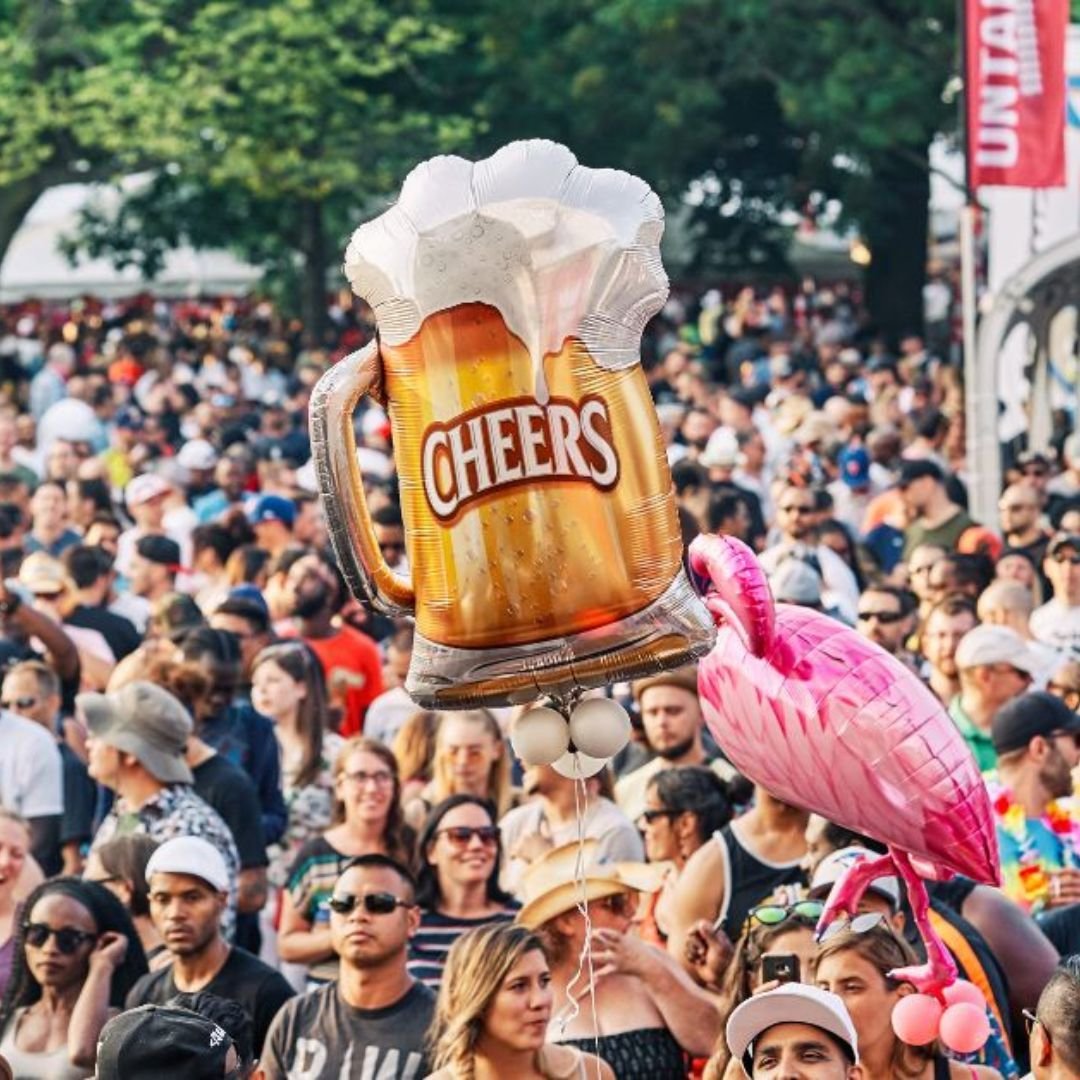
(652, 1017)
(855, 966)
(457, 887)
(782, 927)
(367, 820)
(77, 956)
(493, 1012)
(684, 806)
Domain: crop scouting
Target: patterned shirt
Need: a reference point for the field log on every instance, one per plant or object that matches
(432, 941)
(177, 811)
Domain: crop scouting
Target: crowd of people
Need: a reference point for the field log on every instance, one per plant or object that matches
(232, 846)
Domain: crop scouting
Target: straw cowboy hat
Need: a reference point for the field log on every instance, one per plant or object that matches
(549, 888)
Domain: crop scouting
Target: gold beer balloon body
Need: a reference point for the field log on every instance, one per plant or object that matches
(541, 527)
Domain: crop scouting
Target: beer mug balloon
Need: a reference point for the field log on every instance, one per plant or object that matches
(541, 528)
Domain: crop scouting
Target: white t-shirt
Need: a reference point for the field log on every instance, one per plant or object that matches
(1056, 624)
(31, 773)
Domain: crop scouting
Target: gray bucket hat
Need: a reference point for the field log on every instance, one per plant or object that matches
(146, 721)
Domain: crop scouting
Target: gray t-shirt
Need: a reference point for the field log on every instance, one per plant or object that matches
(318, 1036)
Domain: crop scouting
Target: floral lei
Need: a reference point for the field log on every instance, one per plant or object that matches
(1061, 817)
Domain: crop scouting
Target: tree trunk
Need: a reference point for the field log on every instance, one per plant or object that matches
(15, 202)
(896, 233)
(313, 285)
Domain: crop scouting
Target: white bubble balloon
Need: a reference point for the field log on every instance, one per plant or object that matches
(599, 727)
(540, 736)
(578, 766)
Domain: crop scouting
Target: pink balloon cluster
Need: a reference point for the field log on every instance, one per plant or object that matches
(958, 1019)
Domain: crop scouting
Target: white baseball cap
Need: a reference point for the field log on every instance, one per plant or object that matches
(145, 487)
(193, 856)
(197, 454)
(985, 645)
(794, 1003)
(834, 866)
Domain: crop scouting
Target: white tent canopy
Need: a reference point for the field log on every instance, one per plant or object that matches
(35, 267)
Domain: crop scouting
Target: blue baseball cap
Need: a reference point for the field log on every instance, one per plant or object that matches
(854, 462)
(272, 508)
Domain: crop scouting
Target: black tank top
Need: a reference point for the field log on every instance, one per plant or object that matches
(748, 880)
(644, 1054)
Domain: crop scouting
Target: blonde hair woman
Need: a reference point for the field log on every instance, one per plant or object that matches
(493, 1011)
(471, 758)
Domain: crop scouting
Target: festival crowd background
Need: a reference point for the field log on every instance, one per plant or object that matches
(230, 845)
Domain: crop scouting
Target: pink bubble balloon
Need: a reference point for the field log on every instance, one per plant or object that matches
(964, 1027)
(915, 1019)
(963, 991)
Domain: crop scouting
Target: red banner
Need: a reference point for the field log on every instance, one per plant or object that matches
(1015, 90)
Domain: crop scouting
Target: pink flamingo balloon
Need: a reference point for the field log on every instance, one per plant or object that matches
(828, 721)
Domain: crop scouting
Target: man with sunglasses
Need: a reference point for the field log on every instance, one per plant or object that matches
(1057, 622)
(1054, 1026)
(373, 1019)
(886, 617)
(189, 882)
(1037, 739)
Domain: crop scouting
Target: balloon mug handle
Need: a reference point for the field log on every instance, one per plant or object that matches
(341, 485)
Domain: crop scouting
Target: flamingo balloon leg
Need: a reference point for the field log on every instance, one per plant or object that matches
(826, 720)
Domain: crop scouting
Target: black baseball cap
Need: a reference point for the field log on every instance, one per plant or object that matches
(159, 549)
(910, 471)
(155, 1042)
(1063, 540)
(1019, 721)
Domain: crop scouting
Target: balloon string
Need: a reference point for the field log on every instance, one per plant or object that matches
(585, 958)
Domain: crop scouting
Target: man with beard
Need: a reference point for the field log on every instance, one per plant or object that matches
(188, 882)
(350, 659)
(671, 715)
(1037, 739)
(942, 632)
(886, 617)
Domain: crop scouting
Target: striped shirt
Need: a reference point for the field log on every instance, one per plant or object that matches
(310, 885)
(432, 941)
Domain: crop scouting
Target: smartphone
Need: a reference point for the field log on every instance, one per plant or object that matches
(783, 968)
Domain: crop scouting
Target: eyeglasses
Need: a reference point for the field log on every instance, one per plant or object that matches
(649, 816)
(1030, 1020)
(859, 925)
(807, 911)
(374, 903)
(1062, 734)
(19, 703)
(1062, 557)
(380, 778)
(68, 939)
(886, 618)
(1063, 691)
(461, 835)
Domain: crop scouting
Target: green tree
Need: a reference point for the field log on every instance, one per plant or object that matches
(294, 118)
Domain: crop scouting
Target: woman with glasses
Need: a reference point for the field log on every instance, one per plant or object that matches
(457, 887)
(367, 820)
(288, 686)
(855, 966)
(684, 806)
(120, 865)
(471, 758)
(775, 931)
(652, 1018)
(76, 957)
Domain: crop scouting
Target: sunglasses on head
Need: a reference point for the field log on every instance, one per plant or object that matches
(374, 903)
(461, 835)
(68, 938)
(807, 911)
(861, 924)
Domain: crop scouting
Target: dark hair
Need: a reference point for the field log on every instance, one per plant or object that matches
(125, 857)
(229, 1015)
(427, 880)
(723, 505)
(1059, 1010)
(85, 565)
(974, 570)
(388, 515)
(378, 860)
(214, 537)
(108, 915)
(695, 789)
(688, 475)
(951, 606)
(245, 564)
(837, 838)
(906, 599)
(258, 618)
(931, 424)
(96, 490)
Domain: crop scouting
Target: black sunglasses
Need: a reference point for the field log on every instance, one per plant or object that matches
(886, 618)
(68, 939)
(461, 835)
(18, 704)
(649, 816)
(1063, 557)
(374, 903)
